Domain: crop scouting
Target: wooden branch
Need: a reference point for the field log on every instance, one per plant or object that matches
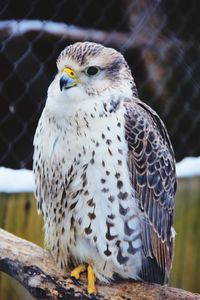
(35, 269)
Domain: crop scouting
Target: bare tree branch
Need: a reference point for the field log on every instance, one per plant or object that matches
(35, 269)
(72, 33)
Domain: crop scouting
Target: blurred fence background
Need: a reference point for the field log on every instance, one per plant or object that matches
(160, 40)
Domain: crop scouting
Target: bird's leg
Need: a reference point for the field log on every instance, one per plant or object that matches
(75, 274)
(91, 281)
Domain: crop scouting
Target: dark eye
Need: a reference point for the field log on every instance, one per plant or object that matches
(92, 71)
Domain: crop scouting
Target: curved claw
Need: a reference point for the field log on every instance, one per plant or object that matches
(75, 281)
(93, 297)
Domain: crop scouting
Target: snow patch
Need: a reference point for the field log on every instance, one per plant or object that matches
(188, 167)
(16, 181)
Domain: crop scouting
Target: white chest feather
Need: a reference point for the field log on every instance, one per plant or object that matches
(84, 190)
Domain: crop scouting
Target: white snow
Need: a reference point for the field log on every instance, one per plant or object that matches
(15, 181)
(188, 167)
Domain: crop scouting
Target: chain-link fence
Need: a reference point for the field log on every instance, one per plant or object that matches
(160, 40)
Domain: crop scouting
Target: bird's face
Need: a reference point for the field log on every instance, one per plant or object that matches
(89, 70)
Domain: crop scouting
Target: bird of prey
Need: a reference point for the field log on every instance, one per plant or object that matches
(104, 172)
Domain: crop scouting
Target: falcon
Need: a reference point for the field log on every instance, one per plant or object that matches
(104, 172)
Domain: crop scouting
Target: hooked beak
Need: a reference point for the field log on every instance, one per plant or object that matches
(68, 79)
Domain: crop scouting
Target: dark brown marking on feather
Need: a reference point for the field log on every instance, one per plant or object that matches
(108, 142)
(90, 202)
(119, 184)
(111, 216)
(75, 194)
(84, 151)
(72, 206)
(85, 167)
(109, 237)
(119, 162)
(118, 137)
(86, 193)
(84, 183)
(123, 211)
(111, 198)
(66, 203)
(105, 190)
(109, 151)
(122, 195)
(88, 230)
(72, 222)
(120, 151)
(92, 215)
(117, 175)
(70, 170)
(92, 161)
(107, 252)
(120, 258)
(127, 230)
(103, 180)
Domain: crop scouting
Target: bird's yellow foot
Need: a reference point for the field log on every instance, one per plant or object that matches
(91, 281)
(75, 275)
(77, 271)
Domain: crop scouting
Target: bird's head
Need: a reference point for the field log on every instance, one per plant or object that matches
(89, 70)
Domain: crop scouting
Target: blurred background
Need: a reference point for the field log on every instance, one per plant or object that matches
(161, 42)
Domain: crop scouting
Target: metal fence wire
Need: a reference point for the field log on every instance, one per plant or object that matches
(159, 39)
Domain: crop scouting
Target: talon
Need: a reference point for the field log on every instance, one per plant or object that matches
(93, 297)
(91, 282)
(75, 281)
(75, 275)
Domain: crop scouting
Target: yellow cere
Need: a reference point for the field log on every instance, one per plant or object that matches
(71, 73)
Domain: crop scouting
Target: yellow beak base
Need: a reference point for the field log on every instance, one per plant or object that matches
(69, 79)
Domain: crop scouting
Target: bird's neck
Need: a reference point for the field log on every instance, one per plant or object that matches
(92, 109)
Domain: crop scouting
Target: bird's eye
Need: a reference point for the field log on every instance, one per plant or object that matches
(91, 71)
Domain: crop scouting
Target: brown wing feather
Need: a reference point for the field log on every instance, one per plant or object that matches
(152, 170)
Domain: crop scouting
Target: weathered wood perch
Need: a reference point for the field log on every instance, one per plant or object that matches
(35, 269)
